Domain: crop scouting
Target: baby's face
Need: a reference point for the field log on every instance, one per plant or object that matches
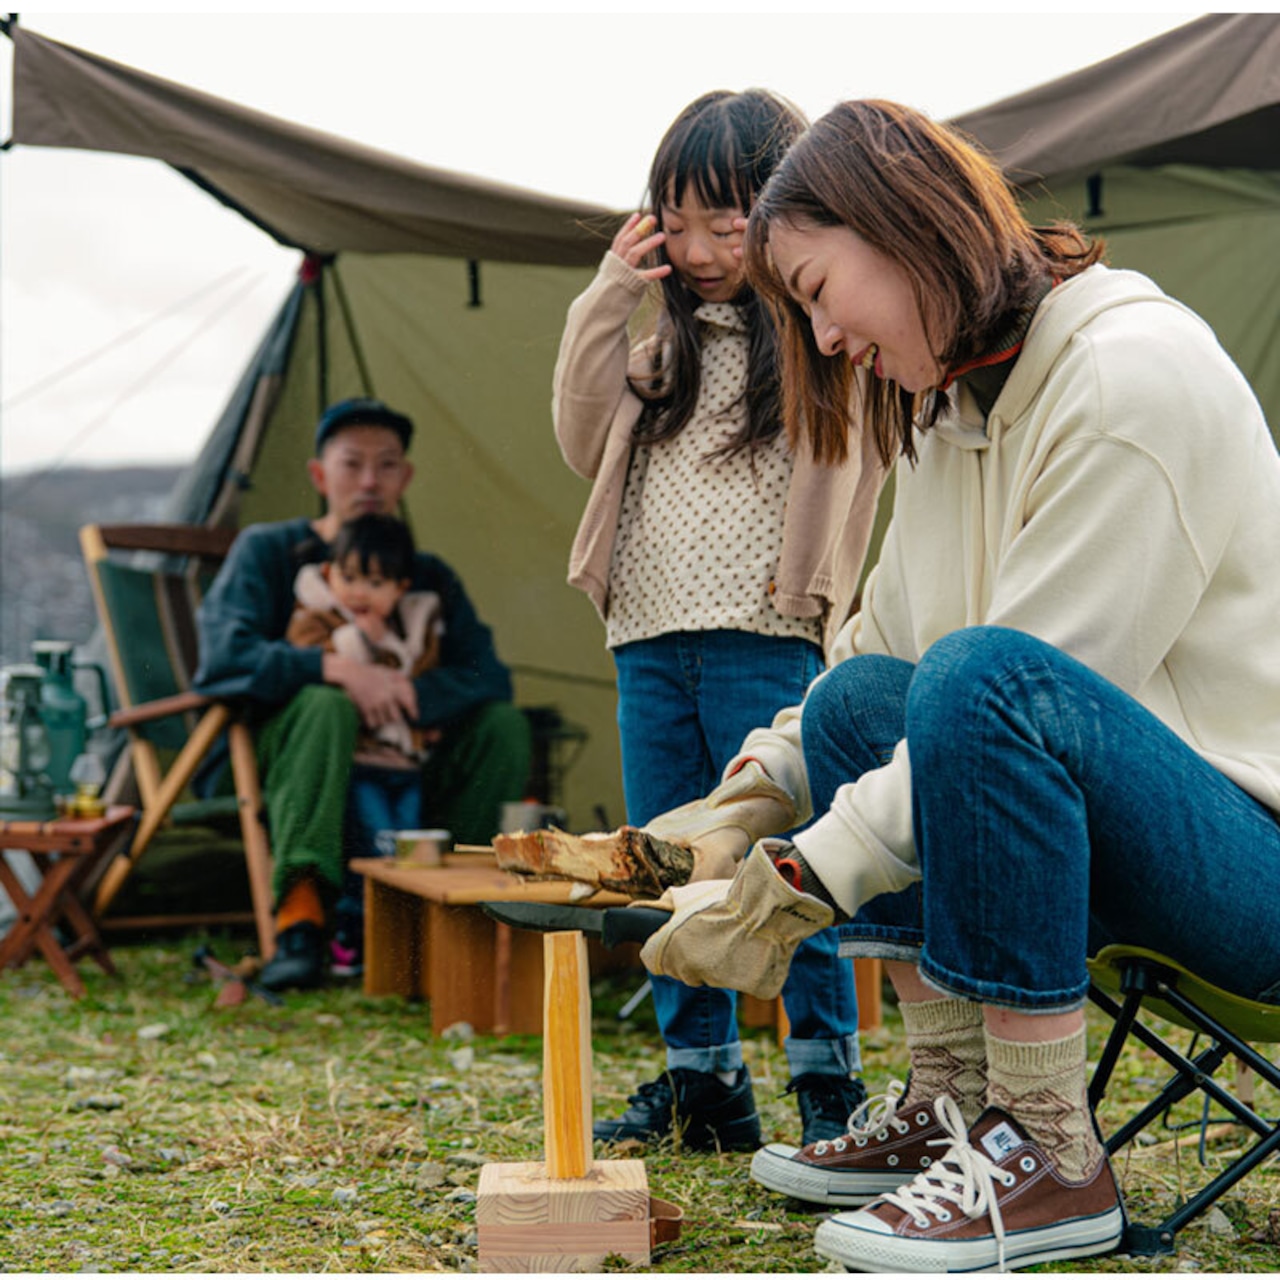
(364, 592)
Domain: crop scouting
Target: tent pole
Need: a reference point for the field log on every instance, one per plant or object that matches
(357, 348)
(322, 345)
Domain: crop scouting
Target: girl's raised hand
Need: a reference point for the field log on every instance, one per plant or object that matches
(636, 241)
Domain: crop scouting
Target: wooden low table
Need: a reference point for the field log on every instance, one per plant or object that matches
(426, 937)
(64, 852)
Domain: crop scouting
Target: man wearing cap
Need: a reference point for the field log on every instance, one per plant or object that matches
(310, 704)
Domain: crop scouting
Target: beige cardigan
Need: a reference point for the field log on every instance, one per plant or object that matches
(830, 510)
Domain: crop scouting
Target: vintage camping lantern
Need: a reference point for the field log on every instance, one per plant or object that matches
(64, 711)
(26, 791)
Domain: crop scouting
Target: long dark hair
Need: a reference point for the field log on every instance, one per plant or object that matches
(938, 206)
(722, 147)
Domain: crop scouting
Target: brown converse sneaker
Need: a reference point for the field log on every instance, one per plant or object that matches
(881, 1151)
(992, 1202)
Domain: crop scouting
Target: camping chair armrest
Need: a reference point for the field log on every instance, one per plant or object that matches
(145, 712)
(169, 539)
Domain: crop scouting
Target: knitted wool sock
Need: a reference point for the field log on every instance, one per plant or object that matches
(301, 902)
(948, 1049)
(1043, 1087)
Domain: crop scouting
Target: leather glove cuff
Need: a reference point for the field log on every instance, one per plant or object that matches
(739, 934)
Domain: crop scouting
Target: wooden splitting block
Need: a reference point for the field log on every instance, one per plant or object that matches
(570, 1212)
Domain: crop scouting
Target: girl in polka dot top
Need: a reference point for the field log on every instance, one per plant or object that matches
(719, 558)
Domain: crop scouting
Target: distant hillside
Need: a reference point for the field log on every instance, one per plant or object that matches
(44, 592)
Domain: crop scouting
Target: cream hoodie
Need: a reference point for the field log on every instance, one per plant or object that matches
(1121, 502)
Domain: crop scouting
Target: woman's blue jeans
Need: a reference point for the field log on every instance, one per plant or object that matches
(685, 703)
(1053, 814)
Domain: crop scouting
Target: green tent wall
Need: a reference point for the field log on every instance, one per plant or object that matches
(491, 493)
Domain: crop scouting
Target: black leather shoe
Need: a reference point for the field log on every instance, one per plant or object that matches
(826, 1103)
(299, 961)
(697, 1106)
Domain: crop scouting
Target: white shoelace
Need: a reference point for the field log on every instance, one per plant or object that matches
(870, 1119)
(964, 1177)
(873, 1119)
(865, 1122)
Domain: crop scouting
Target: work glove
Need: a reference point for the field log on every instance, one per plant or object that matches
(738, 934)
(744, 808)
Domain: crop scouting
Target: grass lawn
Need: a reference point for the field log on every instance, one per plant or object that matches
(143, 1129)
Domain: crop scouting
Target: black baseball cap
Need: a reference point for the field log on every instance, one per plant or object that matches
(361, 411)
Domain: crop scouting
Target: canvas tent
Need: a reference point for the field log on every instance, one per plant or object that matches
(446, 295)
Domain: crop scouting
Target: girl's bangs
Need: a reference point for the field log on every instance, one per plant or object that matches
(705, 162)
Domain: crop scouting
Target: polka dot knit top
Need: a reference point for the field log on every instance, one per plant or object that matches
(699, 536)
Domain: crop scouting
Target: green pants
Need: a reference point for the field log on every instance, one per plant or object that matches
(304, 754)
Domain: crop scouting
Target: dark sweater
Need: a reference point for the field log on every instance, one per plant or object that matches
(243, 618)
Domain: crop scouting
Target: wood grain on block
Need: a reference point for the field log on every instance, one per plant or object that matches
(566, 1055)
(527, 1221)
(627, 860)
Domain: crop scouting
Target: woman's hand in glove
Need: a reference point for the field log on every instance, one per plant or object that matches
(744, 808)
(739, 934)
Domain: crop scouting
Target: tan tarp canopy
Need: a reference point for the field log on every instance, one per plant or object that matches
(304, 187)
(446, 296)
(1170, 152)
(1207, 93)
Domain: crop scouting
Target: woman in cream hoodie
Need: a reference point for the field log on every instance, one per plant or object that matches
(1055, 720)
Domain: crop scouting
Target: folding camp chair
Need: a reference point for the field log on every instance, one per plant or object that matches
(1149, 983)
(147, 610)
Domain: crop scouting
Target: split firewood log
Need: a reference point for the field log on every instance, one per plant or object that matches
(627, 860)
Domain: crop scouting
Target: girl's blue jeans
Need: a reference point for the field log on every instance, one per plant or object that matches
(685, 703)
(1053, 814)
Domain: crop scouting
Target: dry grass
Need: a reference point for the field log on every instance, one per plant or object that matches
(143, 1130)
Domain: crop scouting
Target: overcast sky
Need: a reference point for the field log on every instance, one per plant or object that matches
(130, 301)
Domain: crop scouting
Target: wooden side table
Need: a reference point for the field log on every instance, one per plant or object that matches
(64, 852)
